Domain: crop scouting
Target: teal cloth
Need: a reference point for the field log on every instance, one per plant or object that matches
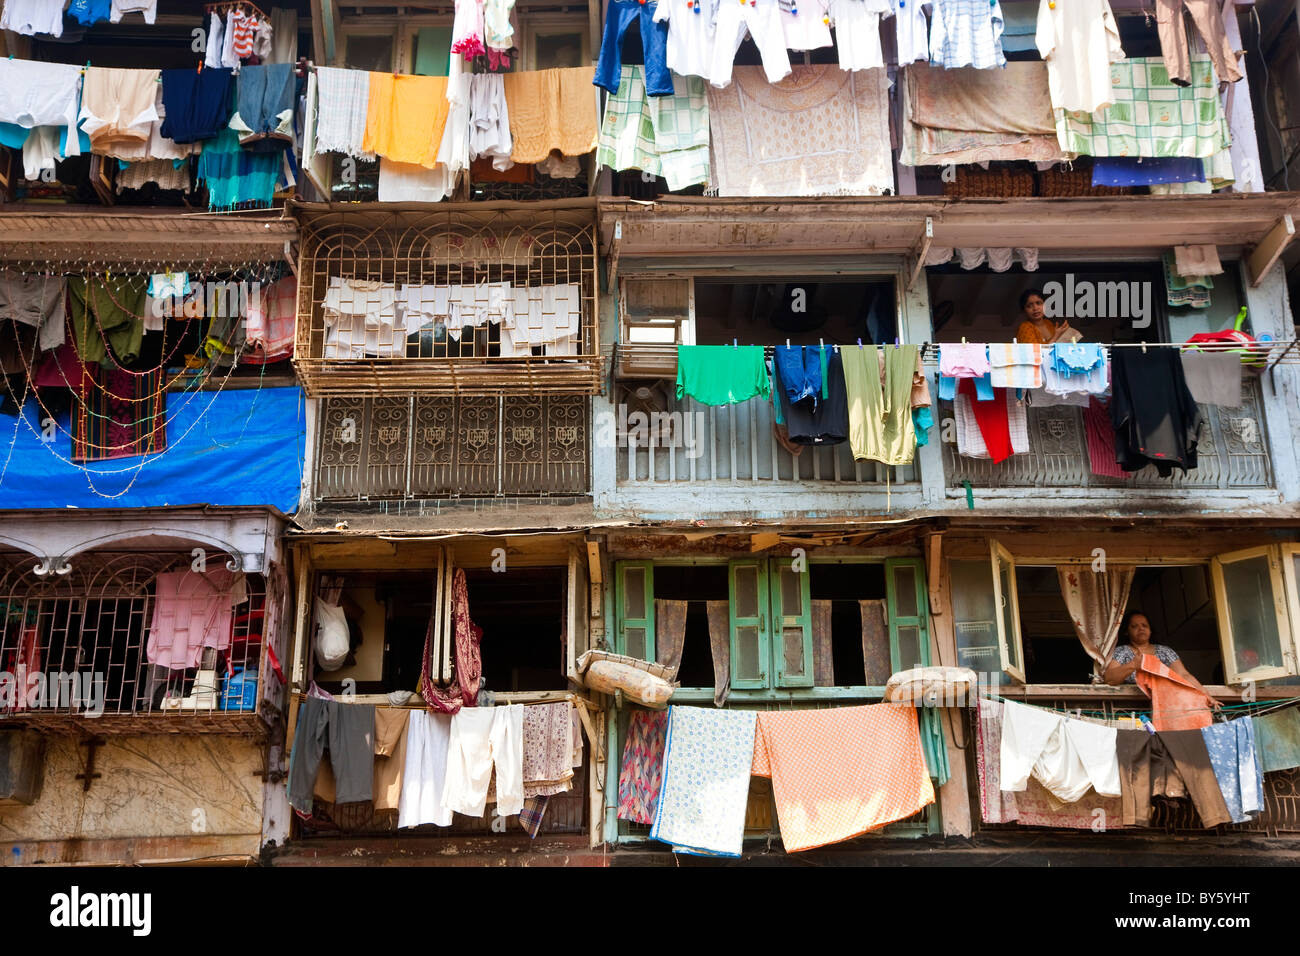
(922, 421)
(1277, 740)
(933, 744)
(722, 374)
(236, 176)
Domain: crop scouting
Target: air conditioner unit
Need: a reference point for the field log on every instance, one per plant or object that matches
(22, 767)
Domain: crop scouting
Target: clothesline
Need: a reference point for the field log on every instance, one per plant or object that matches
(1263, 707)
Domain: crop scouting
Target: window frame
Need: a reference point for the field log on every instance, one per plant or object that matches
(620, 605)
(781, 620)
(999, 555)
(920, 620)
(1284, 601)
(762, 604)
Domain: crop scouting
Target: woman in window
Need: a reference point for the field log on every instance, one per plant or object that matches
(1037, 327)
(1127, 658)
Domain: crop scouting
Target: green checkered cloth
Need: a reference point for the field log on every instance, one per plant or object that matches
(665, 136)
(1150, 116)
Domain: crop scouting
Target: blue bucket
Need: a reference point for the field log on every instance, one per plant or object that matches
(239, 691)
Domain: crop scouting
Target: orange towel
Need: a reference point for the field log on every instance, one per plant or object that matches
(841, 772)
(551, 109)
(406, 117)
(1175, 704)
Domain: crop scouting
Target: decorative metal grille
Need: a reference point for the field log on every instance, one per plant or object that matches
(425, 447)
(75, 646)
(472, 299)
(1233, 453)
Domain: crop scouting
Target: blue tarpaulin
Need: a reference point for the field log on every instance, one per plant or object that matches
(233, 447)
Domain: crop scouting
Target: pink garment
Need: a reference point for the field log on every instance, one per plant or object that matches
(270, 322)
(191, 611)
(1100, 434)
(965, 360)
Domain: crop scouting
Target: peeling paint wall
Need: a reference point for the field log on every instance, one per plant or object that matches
(187, 789)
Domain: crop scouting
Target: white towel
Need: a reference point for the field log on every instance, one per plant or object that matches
(342, 99)
(425, 773)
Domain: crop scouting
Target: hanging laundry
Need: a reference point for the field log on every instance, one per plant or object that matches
(483, 738)
(245, 25)
(880, 407)
(558, 166)
(721, 374)
(1068, 757)
(994, 429)
(761, 21)
(272, 314)
(966, 33)
(819, 132)
(1277, 739)
(498, 33)
(1217, 172)
(468, 660)
(911, 31)
(236, 177)
(965, 360)
(553, 109)
(619, 15)
(1020, 29)
(720, 649)
(1208, 20)
(548, 732)
(39, 301)
(1150, 116)
(1213, 378)
(1123, 171)
(216, 40)
(969, 115)
(1079, 40)
(530, 817)
(453, 151)
(933, 745)
(1100, 436)
(707, 759)
(664, 136)
(489, 116)
(164, 173)
(857, 32)
(543, 315)
(424, 773)
(106, 313)
(361, 319)
(149, 8)
(983, 387)
(801, 33)
(90, 12)
(191, 610)
(407, 182)
(264, 40)
(1202, 260)
(641, 772)
(33, 17)
(1156, 420)
(118, 107)
(197, 106)
(349, 730)
(405, 117)
(284, 27)
(125, 416)
(826, 420)
(689, 42)
(827, 786)
(467, 29)
(1236, 766)
(155, 146)
(1168, 764)
(800, 370)
(1185, 290)
(343, 98)
(391, 732)
(1016, 365)
(36, 95)
(264, 107)
(1176, 703)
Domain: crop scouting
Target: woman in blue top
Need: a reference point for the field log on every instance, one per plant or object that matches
(1127, 658)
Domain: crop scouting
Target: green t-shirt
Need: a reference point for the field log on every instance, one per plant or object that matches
(722, 374)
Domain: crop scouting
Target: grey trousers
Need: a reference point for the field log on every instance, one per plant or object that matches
(351, 736)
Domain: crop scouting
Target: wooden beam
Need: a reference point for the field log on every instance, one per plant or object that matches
(764, 540)
(933, 570)
(919, 266)
(1261, 259)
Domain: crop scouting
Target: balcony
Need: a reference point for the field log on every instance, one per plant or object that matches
(1232, 455)
(418, 447)
(462, 300)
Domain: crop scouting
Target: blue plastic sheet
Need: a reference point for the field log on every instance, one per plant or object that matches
(234, 447)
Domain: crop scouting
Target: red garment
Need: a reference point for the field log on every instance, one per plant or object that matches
(991, 417)
(25, 664)
(1100, 434)
(463, 689)
(1176, 704)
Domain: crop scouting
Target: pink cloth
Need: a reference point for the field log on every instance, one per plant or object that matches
(270, 322)
(191, 611)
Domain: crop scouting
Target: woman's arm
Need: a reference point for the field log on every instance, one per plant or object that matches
(1116, 673)
(1178, 668)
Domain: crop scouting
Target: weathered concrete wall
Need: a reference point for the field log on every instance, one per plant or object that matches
(158, 798)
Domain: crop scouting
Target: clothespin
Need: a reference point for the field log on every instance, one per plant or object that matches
(963, 340)
(787, 343)
(198, 69)
(859, 343)
(735, 343)
(1144, 347)
(895, 341)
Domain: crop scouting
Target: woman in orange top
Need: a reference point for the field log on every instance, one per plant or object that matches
(1037, 328)
(1127, 658)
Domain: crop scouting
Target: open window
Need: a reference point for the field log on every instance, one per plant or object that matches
(1254, 597)
(986, 613)
(828, 623)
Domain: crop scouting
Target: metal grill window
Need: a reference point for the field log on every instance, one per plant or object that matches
(467, 302)
(77, 643)
(425, 447)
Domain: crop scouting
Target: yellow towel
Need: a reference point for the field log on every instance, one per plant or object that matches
(551, 109)
(118, 106)
(405, 117)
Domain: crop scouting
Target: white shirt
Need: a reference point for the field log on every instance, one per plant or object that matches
(690, 37)
(1079, 40)
(910, 28)
(857, 32)
(31, 17)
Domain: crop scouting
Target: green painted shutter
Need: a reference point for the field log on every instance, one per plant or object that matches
(634, 601)
(792, 623)
(909, 623)
(750, 658)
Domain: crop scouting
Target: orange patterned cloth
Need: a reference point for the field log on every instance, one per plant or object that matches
(1175, 704)
(841, 772)
(406, 117)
